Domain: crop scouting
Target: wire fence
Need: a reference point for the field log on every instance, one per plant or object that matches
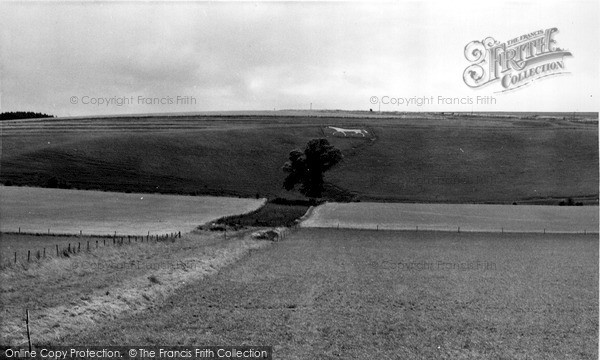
(67, 248)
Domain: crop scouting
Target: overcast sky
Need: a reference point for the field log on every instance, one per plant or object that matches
(58, 58)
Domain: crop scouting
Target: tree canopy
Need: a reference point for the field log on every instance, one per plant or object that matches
(306, 168)
(22, 115)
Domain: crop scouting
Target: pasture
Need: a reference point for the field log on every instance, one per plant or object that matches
(455, 217)
(442, 158)
(35, 210)
(358, 294)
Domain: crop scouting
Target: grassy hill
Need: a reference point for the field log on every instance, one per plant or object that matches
(425, 158)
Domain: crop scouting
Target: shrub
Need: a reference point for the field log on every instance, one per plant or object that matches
(57, 183)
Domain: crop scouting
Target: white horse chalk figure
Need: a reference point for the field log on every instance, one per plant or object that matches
(344, 131)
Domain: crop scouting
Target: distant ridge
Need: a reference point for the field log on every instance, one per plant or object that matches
(587, 116)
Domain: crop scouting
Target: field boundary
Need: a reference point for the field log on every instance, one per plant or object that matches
(306, 215)
(457, 229)
(68, 251)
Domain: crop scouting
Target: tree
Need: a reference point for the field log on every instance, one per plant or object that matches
(307, 168)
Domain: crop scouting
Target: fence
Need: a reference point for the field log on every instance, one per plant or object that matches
(93, 242)
(457, 229)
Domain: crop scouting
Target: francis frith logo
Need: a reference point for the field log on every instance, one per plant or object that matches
(516, 62)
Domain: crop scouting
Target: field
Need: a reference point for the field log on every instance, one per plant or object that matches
(444, 158)
(68, 295)
(447, 217)
(36, 210)
(356, 294)
(517, 282)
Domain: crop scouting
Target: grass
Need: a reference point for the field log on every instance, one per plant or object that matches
(69, 295)
(451, 217)
(422, 158)
(22, 243)
(325, 294)
(275, 213)
(104, 213)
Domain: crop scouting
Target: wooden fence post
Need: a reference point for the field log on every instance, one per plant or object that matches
(28, 255)
(57, 250)
(27, 323)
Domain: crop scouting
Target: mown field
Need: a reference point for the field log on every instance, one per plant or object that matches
(62, 211)
(357, 294)
(455, 217)
(453, 158)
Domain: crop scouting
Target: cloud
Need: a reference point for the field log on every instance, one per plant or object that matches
(235, 56)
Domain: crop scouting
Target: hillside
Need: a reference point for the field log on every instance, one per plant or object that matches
(424, 158)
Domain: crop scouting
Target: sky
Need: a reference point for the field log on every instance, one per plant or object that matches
(104, 58)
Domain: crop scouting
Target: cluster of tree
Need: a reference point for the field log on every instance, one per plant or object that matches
(570, 202)
(15, 115)
(306, 168)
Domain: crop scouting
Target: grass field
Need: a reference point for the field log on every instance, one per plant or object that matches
(357, 294)
(63, 211)
(451, 217)
(501, 158)
(69, 295)
(22, 243)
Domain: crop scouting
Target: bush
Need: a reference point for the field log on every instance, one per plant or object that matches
(570, 202)
(271, 215)
(295, 202)
(57, 183)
